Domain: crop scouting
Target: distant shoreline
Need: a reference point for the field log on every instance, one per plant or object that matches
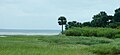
(8, 33)
(29, 32)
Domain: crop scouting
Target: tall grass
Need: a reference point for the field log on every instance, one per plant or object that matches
(105, 49)
(88, 31)
(76, 40)
(39, 45)
(58, 45)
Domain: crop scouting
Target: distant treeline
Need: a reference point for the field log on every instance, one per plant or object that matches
(99, 20)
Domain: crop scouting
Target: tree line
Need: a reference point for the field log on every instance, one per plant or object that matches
(99, 20)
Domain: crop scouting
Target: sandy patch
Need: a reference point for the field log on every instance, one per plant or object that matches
(3, 36)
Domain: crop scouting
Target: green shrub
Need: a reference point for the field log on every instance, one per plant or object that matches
(117, 36)
(72, 33)
(114, 25)
(105, 49)
(88, 31)
(76, 40)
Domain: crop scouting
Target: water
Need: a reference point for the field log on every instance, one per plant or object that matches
(28, 32)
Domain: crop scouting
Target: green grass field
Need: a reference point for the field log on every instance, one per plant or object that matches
(58, 45)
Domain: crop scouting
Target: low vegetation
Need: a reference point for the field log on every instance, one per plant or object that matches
(105, 49)
(58, 45)
(97, 32)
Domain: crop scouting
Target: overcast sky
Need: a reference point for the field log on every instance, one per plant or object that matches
(43, 14)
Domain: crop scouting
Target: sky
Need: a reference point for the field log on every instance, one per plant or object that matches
(44, 14)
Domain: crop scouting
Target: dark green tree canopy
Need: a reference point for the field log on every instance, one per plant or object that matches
(102, 14)
(117, 10)
(100, 20)
(73, 24)
(117, 15)
(87, 24)
(62, 20)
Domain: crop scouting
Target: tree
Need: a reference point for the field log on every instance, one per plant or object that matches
(100, 20)
(114, 25)
(111, 20)
(62, 21)
(117, 15)
(87, 24)
(73, 24)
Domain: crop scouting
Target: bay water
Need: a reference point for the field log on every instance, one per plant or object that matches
(28, 32)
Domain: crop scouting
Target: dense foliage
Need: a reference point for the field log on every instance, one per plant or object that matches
(90, 31)
(99, 20)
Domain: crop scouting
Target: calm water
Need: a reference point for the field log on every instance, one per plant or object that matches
(28, 32)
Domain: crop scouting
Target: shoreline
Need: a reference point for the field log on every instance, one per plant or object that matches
(9, 33)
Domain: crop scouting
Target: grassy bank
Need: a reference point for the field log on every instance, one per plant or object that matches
(90, 31)
(58, 45)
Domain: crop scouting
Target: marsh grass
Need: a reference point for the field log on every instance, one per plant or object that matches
(105, 49)
(89, 31)
(55, 45)
(76, 40)
(37, 45)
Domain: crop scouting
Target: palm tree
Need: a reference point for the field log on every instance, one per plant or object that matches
(62, 21)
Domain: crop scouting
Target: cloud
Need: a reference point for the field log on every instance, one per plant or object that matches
(32, 13)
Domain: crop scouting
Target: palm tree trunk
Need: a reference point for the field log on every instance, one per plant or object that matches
(62, 29)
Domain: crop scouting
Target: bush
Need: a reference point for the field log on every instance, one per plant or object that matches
(73, 33)
(87, 40)
(88, 31)
(114, 25)
(117, 36)
(105, 49)
(76, 40)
